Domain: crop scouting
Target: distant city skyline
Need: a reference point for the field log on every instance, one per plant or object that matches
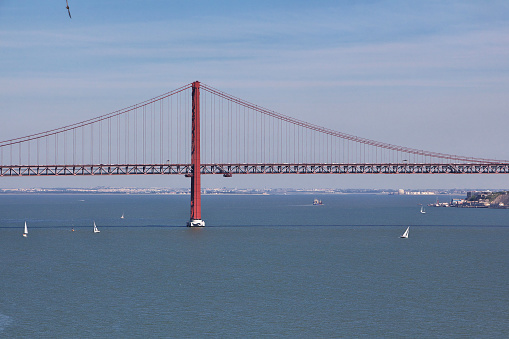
(429, 75)
(233, 190)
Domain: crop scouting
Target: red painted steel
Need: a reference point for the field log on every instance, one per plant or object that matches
(228, 170)
(195, 155)
(225, 130)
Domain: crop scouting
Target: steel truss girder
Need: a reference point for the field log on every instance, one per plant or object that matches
(230, 169)
(68, 170)
(490, 168)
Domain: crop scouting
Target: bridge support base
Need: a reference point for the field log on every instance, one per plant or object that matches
(196, 223)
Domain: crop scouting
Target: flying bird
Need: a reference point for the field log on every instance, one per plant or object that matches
(68, 11)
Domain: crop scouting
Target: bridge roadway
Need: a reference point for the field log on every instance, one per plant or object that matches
(228, 170)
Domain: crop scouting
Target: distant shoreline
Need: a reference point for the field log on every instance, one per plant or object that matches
(227, 191)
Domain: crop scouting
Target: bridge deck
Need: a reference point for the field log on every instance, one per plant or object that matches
(230, 169)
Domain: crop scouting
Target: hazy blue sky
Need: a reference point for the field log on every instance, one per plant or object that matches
(431, 75)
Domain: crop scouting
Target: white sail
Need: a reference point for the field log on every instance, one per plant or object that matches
(405, 235)
(25, 233)
(122, 217)
(422, 210)
(95, 228)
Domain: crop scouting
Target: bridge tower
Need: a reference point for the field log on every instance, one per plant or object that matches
(195, 220)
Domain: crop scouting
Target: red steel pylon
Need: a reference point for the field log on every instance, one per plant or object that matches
(195, 160)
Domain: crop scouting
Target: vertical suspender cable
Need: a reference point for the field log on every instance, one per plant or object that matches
(100, 142)
(161, 141)
(92, 144)
(56, 149)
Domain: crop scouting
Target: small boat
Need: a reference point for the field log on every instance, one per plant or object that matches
(95, 228)
(405, 235)
(122, 217)
(25, 232)
(317, 202)
(422, 210)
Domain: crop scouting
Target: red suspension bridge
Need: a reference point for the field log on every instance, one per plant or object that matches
(197, 129)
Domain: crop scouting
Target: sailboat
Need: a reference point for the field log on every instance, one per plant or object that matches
(422, 210)
(25, 233)
(122, 217)
(405, 235)
(95, 228)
